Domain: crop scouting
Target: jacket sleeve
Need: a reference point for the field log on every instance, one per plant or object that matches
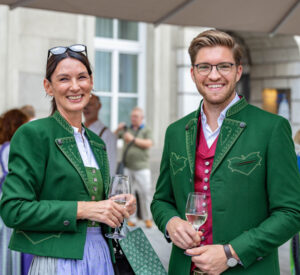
(163, 206)
(283, 190)
(20, 207)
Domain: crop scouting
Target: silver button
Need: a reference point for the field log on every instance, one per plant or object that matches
(205, 179)
(204, 204)
(93, 223)
(206, 171)
(205, 187)
(94, 171)
(191, 180)
(93, 198)
(259, 258)
(60, 142)
(95, 179)
(95, 188)
(242, 124)
(202, 238)
(206, 163)
(66, 223)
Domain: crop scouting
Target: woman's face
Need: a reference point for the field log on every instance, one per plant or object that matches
(70, 86)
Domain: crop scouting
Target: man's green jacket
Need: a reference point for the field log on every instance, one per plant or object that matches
(254, 183)
(46, 179)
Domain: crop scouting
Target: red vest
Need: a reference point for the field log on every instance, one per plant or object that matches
(203, 165)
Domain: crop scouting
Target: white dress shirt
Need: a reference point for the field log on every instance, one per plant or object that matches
(84, 148)
(210, 135)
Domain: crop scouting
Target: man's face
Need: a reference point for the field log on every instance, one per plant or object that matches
(136, 118)
(216, 88)
(91, 109)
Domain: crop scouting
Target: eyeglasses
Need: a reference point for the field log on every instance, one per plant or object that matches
(78, 48)
(223, 68)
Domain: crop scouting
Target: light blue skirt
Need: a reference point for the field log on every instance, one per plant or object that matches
(96, 259)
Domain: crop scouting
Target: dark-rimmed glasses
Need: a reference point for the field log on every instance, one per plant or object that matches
(78, 48)
(205, 68)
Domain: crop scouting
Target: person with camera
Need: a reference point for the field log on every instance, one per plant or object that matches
(137, 142)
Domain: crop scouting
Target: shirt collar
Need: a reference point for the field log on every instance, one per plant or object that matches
(76, 130)
(222, 114)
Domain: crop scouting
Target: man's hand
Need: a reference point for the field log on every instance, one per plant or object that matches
(182, 233)
(209, 258)
(128, 137)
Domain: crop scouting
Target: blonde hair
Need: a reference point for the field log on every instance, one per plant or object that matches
(213, 38)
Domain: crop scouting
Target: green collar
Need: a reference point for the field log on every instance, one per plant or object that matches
(59, 118)
(235, 108)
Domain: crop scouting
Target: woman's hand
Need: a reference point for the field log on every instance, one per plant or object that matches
(130, 204)
(105, 211)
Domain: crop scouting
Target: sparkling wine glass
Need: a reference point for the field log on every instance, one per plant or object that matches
(119, 186)
(196, 209)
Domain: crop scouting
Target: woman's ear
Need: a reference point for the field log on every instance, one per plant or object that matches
(48, 87)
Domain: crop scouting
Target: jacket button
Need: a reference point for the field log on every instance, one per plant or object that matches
(259, 258)
(60, 142)
(186, 127)
(66, 223)
(242, 124)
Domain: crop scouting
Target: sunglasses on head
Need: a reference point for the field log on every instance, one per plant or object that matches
(78, 48)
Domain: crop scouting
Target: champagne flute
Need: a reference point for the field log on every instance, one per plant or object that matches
(119, 186)
(196, 209)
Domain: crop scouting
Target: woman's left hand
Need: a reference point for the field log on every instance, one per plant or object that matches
(130, 202)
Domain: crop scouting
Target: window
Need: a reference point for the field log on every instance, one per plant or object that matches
(119, 68)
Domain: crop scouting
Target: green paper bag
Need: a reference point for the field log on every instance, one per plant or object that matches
(140, 254)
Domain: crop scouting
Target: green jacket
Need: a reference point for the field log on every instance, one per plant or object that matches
(255, 186)
(46, 179)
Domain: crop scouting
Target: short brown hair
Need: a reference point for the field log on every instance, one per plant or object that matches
(213, 38)
(10, 122)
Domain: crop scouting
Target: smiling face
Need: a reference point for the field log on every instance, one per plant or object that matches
(216, 89)
(70, 86)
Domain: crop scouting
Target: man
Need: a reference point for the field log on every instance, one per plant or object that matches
(29, 111)
(243, 160)
(94, 123)
(137, 141)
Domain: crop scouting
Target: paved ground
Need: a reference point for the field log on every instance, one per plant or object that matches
(163, 249)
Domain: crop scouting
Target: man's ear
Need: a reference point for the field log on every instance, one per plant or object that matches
(48, 87)
(192, 73)
(239, 72)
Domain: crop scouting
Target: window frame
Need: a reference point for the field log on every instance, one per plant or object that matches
(116, 47)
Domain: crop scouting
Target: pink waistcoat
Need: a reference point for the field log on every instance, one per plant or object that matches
(203, 165)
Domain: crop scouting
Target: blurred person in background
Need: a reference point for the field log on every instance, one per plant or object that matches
(10, 261)
(137, 142)
(29, 111)
(55, 194)
(92, 121)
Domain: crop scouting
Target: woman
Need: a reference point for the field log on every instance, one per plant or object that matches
(54, 195)
(10, 261)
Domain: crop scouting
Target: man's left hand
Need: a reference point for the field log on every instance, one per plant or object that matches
(128, 137)
(209, 258)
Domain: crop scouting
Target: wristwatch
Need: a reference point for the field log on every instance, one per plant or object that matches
(231, 261)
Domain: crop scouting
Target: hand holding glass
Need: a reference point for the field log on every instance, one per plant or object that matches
(119, 186)
(196, 209)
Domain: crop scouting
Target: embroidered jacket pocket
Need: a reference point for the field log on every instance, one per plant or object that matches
(245, 164)
(177, 162)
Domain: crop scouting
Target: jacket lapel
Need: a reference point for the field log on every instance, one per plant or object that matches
(230, 131)
(67, 145)
(190, 141)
